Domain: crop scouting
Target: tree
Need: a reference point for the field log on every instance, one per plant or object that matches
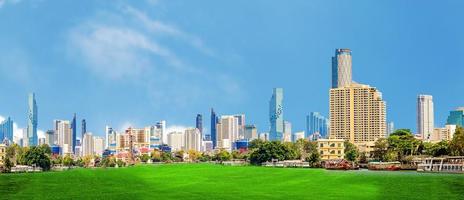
(144, 158)
(7, 165)
(314, 159)
(86, 160)
(156, 155)
(193, 155)
(351, 151)
(68, 161)
(222, 156)
(37, 156)
(272, 150)
(456, 145)
(380, 149)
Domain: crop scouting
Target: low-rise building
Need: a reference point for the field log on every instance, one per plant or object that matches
(331, 148)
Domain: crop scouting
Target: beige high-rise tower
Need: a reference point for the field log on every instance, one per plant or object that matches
(425, 119)
(357, 113)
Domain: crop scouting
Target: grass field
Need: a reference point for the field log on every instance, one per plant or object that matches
(207, 181)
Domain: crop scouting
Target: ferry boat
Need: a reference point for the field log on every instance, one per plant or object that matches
(452, 164)
(386, 166)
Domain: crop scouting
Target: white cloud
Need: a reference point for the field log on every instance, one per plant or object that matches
(4, 2)
(118, 52)
(158, 27)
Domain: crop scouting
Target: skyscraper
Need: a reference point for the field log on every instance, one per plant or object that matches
(88, 145)
(390, 128)
(341, 68)
(161, 127)
(84, 128)
(241, 125)
(65, 139)
(110, 138)
(192, 139)
(214, 121)
(287, 131)
(316, 123)
(456, 117)
(227, 131)
(251, 132)
(50, 137)
(425, 118)
(32, 121)
(357, 114)
(276, 115)
(98, 145)
(199, 123)
(74, 133)
(6, 131)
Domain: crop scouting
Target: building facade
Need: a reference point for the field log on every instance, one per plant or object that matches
(456, 117)
(88, 144)
(199, 123)
(298, 135)
(176, 141)
(287, 131)
(74, 133)
(227, 132)
(64, 132)
(357, 113)
(316, 123)
(331, 148)
(251, 132)
(32, 121)
(6, 131)
(213, 133)
(446, 133)
(276, 115)
(192, 139)
(341, 68)
(98, 145)
(425, 116)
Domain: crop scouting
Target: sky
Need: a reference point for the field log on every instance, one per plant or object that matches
(133, 63)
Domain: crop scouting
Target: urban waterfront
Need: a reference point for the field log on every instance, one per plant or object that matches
(176, 99)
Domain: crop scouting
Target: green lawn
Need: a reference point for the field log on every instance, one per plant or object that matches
(207, 181)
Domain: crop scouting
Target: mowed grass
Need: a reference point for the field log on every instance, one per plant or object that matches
(208, 181)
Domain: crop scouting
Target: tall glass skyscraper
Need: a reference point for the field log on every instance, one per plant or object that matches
(74, 133)
(214, 121)
(341, 68)
(84, 128)
(316, 123)
(276, 115)
(456, 117)
(32, 121)
(6, 130)
(199, 123)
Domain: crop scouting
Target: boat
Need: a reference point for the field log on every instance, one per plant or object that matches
(385, 166)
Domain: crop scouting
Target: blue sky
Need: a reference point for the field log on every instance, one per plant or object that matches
(136, 62)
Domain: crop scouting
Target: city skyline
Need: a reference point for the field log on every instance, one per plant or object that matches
(287, 59)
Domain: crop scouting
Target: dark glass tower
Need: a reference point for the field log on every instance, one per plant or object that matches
(214, 120)
(199, 123)
(84, 128)
(74, 133)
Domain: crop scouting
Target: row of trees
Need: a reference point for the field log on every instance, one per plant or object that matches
(38, 156)
(402, 146)
(264, 151)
